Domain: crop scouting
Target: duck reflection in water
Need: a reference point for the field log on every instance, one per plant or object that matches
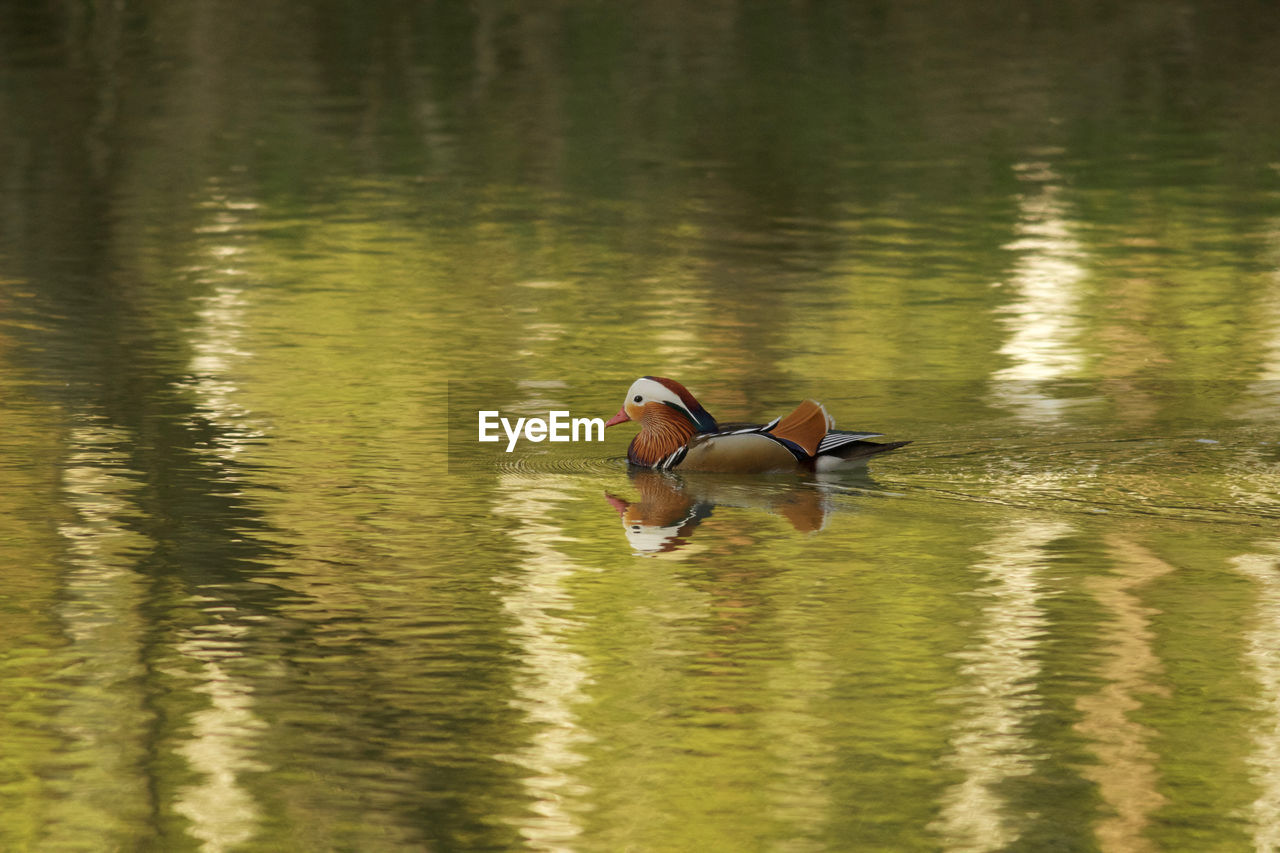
(670, 507)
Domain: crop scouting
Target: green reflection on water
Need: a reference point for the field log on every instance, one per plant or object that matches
(256, 267)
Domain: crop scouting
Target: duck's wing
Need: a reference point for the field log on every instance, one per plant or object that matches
(802, 431)
(805, 427)
(798, 440)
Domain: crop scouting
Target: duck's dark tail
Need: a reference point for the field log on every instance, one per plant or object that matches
(852, 453)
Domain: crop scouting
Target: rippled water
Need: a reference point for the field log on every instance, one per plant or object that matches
(261, 267)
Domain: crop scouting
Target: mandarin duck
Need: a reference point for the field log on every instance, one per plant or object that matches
(677, 433)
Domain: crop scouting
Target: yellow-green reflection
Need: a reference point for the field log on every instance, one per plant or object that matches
(223, 738)
(221, 744)
(100, 716)
(999, 699)
(1126, 774)
(249, 606)
(1263, 568)
(552, 675)
(1046, 283)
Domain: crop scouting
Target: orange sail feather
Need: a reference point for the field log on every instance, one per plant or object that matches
(806, 426)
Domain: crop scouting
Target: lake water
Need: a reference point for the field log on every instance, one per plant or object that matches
(261, 265)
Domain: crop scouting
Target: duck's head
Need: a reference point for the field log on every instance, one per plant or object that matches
(653, 396)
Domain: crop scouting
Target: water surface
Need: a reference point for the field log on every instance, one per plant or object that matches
(259, 268)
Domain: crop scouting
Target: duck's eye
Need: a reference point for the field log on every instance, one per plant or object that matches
(639, 398)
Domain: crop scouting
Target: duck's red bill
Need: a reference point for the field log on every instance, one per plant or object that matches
(618, 418)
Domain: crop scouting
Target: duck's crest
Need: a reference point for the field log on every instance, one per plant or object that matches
(701, 417)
